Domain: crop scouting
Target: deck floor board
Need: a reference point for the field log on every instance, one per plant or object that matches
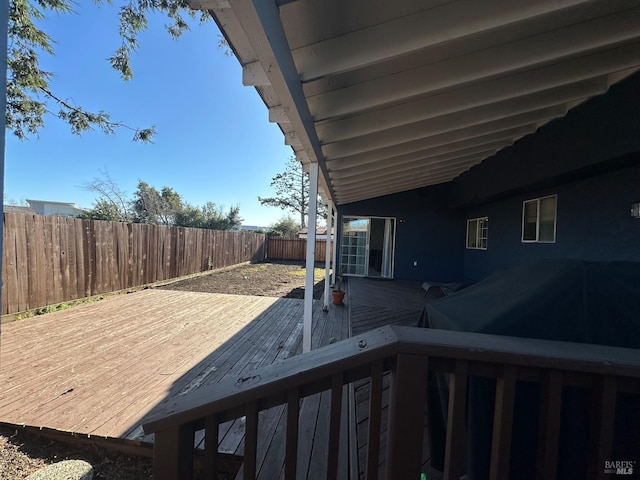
(373, 304)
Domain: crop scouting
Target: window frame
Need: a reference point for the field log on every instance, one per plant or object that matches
(481, 242)
(537, 202)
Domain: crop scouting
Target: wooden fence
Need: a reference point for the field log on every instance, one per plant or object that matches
(50, 260)
(294, 249)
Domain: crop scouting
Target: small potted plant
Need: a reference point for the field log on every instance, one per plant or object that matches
(338, 293)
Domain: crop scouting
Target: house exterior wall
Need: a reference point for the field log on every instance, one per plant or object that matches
(59, 209)
(427, 232)
(590, 159)
(593, 222)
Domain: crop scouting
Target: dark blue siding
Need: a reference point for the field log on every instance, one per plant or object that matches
(593, 223)
(427, 232)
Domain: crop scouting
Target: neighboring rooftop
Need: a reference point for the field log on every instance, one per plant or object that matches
(18, 209)
(61, 209)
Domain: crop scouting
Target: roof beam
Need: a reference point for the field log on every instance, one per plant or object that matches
(516, 96)
(432, 127)
(437, 144)
(208, 4)
(404, 184)
(414, 181)
(253, 75)
(431, 27)
(417, 159)
(292, 139)
(418, 171)
(260, 21)
(404, 85)
(389, 189)
(278, 115)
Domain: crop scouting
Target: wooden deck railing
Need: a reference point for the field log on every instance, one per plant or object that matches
(410, 355)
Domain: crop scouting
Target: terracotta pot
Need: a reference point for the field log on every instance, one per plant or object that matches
(338, 296)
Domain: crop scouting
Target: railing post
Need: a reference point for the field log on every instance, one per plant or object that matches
(603, 409)
(335, 419)
(211, 446)
(251, 442)
(293, 417)
(173, 453)
(375, 411)
(549, 425)
(456, 421)
(406, 417)
(503, 423)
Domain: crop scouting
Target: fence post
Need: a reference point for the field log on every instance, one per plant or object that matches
(4, 24)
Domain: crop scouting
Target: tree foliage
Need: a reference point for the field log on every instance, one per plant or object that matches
(103, 210)
(112, 203)
(209, 216)
(29, 95)
(158, 207)
(285, 227)
(292, 192)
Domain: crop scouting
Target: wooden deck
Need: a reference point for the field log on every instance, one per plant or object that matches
(374, 303)
(99, 369)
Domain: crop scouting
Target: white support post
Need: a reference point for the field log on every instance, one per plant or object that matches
(328, 256)
(311, 253)
(334, 247)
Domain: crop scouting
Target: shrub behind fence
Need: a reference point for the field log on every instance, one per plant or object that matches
(51, 260)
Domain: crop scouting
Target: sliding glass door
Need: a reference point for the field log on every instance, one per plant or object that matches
(355, 233)
(367, 246)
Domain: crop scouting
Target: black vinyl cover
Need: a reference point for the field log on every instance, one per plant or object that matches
(568, 300)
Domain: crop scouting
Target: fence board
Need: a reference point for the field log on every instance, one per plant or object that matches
(50, 260)
(63, 242)
(32, 260)
(21, 264)
(10, 267)
(72, 262)
(294, 249)
(54, 290)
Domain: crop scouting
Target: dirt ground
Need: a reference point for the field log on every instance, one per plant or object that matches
(272, 279)
(22, 453)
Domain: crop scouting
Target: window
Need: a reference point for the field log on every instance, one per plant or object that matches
(477, 229)
(539, 219)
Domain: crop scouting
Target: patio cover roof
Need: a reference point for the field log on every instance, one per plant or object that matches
(388, 96)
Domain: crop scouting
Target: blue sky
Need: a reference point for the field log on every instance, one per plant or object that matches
(214, 141)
